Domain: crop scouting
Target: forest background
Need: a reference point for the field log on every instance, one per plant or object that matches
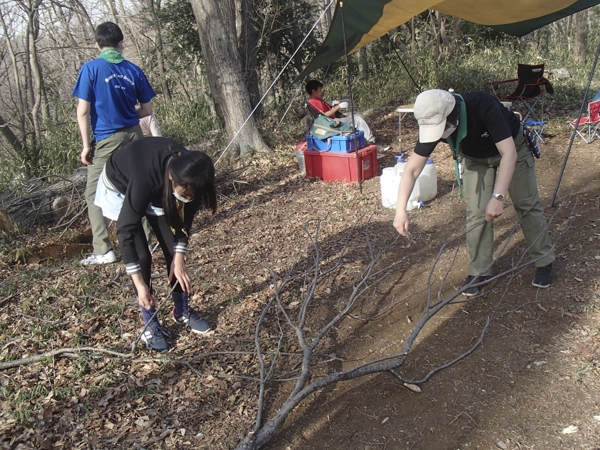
(203, 99)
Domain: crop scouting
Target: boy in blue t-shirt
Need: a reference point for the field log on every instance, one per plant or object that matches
(108, 89)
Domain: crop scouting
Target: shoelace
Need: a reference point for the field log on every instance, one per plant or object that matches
(189, 314)
(193, 314)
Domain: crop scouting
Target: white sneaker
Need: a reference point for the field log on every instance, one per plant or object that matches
(99, 259)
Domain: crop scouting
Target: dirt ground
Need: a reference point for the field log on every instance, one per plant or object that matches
(533, 383)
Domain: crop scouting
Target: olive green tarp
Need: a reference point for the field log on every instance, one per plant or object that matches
(367, 20)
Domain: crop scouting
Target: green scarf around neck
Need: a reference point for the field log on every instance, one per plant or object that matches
(462, 129)
(111, 55)
(461, 133)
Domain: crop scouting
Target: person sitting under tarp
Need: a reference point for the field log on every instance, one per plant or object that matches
(314, 89)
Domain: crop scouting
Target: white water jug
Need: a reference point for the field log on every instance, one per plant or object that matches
(425, 185)
(428, 182)
(400, 164)
(390, 181)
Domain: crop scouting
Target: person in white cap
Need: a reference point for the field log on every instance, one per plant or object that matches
(497, 163)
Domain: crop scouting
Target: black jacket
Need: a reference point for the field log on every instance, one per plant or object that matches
(138, 171)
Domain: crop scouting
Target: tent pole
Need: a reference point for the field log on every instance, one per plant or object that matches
(403, 65)
(351, 98)
(574, 133)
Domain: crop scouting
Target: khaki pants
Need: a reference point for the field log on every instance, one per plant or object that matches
(479, 179)
(104, 149)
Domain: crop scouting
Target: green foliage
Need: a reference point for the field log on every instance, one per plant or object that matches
(178, 25)
(187, 121)
(284, 25)
(55, 152)
(60, 147)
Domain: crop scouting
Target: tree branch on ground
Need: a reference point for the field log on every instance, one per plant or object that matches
(308, 382)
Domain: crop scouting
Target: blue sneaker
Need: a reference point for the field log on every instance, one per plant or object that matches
(191, 318)
(155, 337)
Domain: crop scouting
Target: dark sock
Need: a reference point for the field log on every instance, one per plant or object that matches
(180, 300)
(148, 313)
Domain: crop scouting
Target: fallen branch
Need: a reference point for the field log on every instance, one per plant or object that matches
(306, 384)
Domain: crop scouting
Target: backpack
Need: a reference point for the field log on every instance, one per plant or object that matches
(324, 128)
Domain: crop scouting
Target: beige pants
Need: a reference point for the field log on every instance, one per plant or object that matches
(104, 149)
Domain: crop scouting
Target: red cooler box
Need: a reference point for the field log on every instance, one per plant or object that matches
(332, 166)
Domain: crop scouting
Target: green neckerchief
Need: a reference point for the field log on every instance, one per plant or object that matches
(462, 129)
(111, 55)
(461, 133)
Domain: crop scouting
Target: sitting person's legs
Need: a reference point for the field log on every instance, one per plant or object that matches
(361, 124)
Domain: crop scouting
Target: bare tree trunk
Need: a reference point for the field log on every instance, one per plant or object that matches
(582, 31)
(452, 44)
(40, 100)
(131, 39)
(435, 22)
(22, 106)
(363, 63)
(110, 4)
(61, 26)
(35, 81)
(326, 22)
(12, 139)
(153, 8)
(248, 47)
(225, 76)
(160, 63)
(29, 96)
(84, 19)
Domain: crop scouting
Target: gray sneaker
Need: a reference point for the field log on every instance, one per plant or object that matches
(155, 337)
(191, 318)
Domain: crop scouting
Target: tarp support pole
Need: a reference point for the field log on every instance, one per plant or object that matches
(574, 133)
(351, 98)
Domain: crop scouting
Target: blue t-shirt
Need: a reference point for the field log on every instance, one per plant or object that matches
(112, 90)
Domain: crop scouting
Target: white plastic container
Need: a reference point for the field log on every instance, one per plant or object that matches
(400, 164)
(428, 182)
(425, 185)
(390, 181)
(413, 200)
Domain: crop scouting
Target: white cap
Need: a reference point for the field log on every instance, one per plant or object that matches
(432, 108)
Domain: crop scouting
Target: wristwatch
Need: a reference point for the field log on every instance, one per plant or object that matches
(499, 197)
